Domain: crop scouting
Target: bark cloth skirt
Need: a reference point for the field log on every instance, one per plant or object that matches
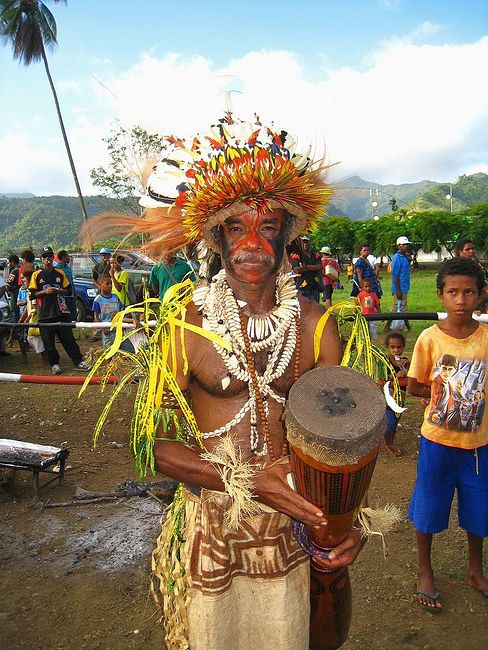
(222, 588)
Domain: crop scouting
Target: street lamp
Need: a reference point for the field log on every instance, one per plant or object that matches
(373, 196)
(449, 196)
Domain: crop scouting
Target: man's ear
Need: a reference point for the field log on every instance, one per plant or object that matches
(440, 295)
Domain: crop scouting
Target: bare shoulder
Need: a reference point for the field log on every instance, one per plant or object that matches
(330, 344)
(311, 313)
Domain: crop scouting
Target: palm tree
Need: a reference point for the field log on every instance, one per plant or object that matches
(30, 27)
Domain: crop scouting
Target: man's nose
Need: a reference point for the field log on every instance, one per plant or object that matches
(252, 241)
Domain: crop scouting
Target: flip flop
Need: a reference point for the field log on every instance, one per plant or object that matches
(394, 450)
(433, 597)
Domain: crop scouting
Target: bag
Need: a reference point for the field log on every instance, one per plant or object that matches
(33, 331)
(398, 325)
(388, 268)
(330, 272)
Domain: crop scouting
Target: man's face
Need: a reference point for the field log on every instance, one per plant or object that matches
(306, 245)
(447, 372)
(105, 257)
(364, 252)
(403, 248)
(47, 260)
(253, 245)
(468, 250)
(65, 259)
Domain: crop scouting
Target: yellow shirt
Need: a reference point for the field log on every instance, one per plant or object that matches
(122, 277)
(456, 371)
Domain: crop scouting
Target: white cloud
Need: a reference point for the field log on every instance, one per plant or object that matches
(415, 111)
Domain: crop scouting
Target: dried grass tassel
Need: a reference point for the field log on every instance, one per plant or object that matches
(237, 477)
(378, 521)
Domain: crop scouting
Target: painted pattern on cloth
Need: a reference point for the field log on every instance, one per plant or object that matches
(456, 371)
(262, 547)
(249, 585)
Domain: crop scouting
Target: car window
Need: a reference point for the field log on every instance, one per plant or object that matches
(82, 264)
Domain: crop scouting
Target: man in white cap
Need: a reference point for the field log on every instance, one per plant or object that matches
(102, 267)
(400, 278)
(330, 274)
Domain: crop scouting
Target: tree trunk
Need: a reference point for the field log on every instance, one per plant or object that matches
(65, 137)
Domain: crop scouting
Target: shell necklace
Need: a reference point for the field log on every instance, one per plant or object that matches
(275, 332)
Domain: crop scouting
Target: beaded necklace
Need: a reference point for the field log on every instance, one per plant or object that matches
(277, 333)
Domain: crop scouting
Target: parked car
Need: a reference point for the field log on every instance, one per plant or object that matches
(136, 264)
(85, 294)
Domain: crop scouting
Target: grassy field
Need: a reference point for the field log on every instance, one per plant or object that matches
(422, 297)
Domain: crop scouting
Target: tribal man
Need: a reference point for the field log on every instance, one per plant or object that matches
(238, 577)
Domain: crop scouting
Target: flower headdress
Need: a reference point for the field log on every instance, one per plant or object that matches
(236, 167)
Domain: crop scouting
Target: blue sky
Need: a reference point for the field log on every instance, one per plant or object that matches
(395, 89)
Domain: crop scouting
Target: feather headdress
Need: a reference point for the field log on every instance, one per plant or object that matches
(198, 184)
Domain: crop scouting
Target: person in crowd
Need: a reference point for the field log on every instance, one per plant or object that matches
(49, 286)
(331, 271)
(395, 344)
(105, 306)
(63, 263)
(121, 285)
(28, 314)
(4, 331)
(370, 304)
(28, 261)
(450, 358)
(171, 270)
(14, 282)
(102, 267)
(400, 279)
(363, 270)
(308, 270)
(466, 248)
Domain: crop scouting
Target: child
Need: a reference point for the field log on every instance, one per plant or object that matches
(370, 304)
(105, 306)
(19, 332)
(29, 314)
(449, 365)
(395, 344)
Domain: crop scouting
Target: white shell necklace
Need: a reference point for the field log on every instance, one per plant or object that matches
(275, 332)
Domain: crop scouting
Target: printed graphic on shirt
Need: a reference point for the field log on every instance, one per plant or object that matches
(458, 394)
(58, 284)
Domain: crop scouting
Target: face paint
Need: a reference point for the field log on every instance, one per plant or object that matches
(253, 245)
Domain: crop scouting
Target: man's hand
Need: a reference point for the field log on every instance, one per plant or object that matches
(50, 290)
(345, 553)
(399, 295)
(271, 487)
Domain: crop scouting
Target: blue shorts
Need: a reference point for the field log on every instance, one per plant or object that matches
(440, 470)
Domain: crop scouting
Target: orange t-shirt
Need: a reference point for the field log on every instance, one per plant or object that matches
(455, 369)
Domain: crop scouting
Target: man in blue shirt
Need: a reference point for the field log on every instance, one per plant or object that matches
(63, 264)
(400, 278)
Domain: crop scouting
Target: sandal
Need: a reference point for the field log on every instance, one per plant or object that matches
(434, 598)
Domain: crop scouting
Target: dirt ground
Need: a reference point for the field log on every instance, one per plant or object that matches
(77, 577)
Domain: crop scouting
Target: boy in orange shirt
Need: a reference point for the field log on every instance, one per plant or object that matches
(448, 367)
(370, 304)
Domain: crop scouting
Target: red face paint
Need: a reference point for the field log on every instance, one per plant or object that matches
(252, 243)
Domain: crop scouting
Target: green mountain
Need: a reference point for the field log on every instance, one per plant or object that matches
(32, 221)
(38, 220)
(353, 197)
